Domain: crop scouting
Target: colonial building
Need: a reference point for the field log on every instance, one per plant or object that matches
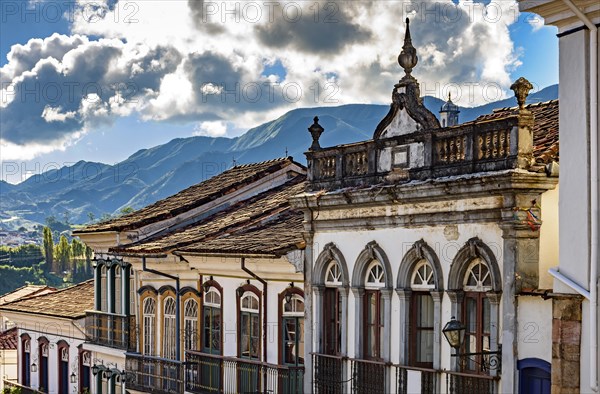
(425, 229)
(50, 337)
(575, 333)
(203, 291)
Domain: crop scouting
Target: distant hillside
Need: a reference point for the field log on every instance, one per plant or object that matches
(151, 174)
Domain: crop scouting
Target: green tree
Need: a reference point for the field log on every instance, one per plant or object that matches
(63, 254)
(126, 210)
(88, 259)
(48, 249)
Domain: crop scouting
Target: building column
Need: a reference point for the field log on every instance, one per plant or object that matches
(344, 340)
(404, 318)
(456, 299)
(318, 291)
(566, 342)
(359, 294)
(494, 326)
(437, 327)
(309, 308)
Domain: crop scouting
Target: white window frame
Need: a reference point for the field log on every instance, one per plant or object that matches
(170, 328)
(149, 316)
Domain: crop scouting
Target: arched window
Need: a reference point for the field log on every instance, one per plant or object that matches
(212, 319)
(43, 369)
(249, 340)
(373, 311)
(149, 315)
(132, 291)
(292, 323)
(422, 316)
(103, 289)
(476, 311)
(26, 360)
(190, 324)
(170, 329)
(332, 309)
(85, 365)
(117, 290)
(63, 368)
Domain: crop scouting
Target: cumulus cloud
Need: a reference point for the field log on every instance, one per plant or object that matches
(204, 62)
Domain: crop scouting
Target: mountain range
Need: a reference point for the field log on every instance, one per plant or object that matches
(151, 174)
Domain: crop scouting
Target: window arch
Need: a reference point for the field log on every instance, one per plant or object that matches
(372, 286)
(420, 281)
(26, 360)
(169, 336)
(291, 333)
(323, 265)
(118, 283)
(475, 275)
(103, 288)
(212, 318)
(63, 367)
(43, 354)
(149, 322)
(333, 274)
(190, 324)
(249, 322)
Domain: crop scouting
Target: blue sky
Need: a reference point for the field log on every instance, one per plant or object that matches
(166, 59)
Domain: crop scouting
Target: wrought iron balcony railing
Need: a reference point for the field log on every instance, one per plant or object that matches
(106, 329)
(209, 373)
(328, 374)
(153, 374)
(462, 383)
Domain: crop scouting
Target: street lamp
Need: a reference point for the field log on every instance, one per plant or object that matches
(454, 332)
(34, 367)
(73, 377)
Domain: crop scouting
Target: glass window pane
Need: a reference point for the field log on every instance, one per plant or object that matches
(425, 346)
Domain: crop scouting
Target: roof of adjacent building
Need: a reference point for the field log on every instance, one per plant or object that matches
(275, 238)
(25, 291)
(258, 212)
(194, 196)
(8, 339)
(70, 302)
(545, 129)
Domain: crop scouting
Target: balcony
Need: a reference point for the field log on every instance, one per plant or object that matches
(153, 374)
(328, 374)
(106, 329)
(465, 149)
(335, 374)
(208, 373)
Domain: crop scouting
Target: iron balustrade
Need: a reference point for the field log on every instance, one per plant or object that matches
(463, 383)
(328, 374)
(408, 379)
(153, 374)
(210, 373)
(369, 376)
(112, 330)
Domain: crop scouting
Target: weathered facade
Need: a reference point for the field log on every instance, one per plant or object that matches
(422, 224)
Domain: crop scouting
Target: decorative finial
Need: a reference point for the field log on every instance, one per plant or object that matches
(521, 87)
(408, 57)
(449, 96)
(315, 131)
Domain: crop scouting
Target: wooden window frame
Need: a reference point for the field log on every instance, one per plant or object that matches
(43, 370)
(25, 362)
(332, 304)
(82, 370)
(415, 329)
(252, 289)
(184, 302)
(378, 324)
(208, 285)
(148, 293)
(60, 346)
(479, 334)
(163, 316)
(280, 313)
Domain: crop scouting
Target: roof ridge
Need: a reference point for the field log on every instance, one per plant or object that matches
(530, 105)
(278, 159)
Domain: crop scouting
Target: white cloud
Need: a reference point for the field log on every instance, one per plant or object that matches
(211, 129)
(55, 114)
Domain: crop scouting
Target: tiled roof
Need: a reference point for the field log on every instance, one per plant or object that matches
(194, 196)
(272, 238)
(71, 302)
(545, 129)
(25, 291)
(238, 217)
(8, 339)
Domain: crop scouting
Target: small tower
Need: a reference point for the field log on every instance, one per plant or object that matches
(449, 113)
